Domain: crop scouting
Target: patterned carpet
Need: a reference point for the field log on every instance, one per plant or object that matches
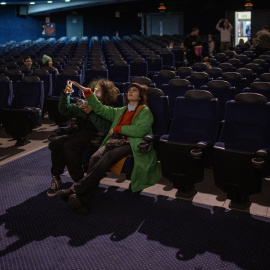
(123, 230)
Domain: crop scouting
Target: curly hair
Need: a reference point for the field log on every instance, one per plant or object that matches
(143, 89)
(108, 89)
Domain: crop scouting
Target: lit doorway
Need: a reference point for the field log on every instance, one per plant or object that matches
(242, 26)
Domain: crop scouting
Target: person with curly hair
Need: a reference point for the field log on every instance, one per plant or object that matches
(132, 121)
(66, 150)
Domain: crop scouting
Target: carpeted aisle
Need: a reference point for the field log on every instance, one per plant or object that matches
(123, 230)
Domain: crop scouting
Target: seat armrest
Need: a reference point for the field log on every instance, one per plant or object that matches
(197, 152)
(259, 158)
(146, 145)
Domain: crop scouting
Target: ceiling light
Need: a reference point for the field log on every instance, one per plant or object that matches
(67, 0)
(32, 3)
(3, 3)
(49, 2)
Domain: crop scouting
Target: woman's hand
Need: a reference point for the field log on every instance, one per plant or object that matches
(86, 108)
(111, 131)
(68, 88)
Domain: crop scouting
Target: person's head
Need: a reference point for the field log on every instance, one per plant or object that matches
(195, 31)
(47, 60)
(206, 59)
(105, 91)
(136, 93)
(210, 38)
(28, 61)
(171, 44)
(253, 41)
(241, 41)
(266, 28)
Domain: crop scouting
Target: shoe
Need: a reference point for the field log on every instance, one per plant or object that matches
(64, 194)
(76, 205)
(55, 184)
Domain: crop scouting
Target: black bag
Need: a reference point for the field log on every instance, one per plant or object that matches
(116, 140)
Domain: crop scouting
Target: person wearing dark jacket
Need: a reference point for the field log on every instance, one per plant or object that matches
(66, 150)
(190, 42)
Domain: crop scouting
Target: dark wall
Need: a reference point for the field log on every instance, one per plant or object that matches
(101, 21)
(17, 28)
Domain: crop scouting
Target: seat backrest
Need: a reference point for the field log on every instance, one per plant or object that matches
(139, 67)
(141, 80)
(183, 72)
(226, 67)
(265, 77)
(14, 74)
(46, 77)
(214, 72)
(199, 66)
(223, 91)
(246, 126)
(221, 57)
(175, 88)
(162, 77)
(119, 73)
(235, 79)
(159, 106)
(68, 74)
(195, 118)
(198, 79)
(29, 92)
(6, 91)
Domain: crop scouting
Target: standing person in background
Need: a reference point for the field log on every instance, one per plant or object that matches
(225, 29)
(211, 45)
(262, 41)
(190, 42)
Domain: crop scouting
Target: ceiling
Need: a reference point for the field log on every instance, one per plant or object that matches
(42, 6)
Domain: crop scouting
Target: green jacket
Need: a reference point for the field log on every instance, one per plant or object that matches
(146, 171)
(72, 110)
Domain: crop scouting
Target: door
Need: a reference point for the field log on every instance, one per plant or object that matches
(74, 26)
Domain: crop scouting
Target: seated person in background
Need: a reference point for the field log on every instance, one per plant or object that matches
(206, 60)
(262, 41)
(241, 42)
(170, 46)
(47, 61)
(66, 150)
(133, 121)
(231, 49)
(28, 67)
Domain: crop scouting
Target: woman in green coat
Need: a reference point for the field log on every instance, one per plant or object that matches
(133, 121)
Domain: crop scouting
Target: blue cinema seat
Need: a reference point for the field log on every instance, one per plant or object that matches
(186, 150)
(241, 156)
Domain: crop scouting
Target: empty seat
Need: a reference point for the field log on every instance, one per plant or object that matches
(223, 91)
(173, 89)
(241, 156)
(186, 149)
(235, 79)
(199, 79)
(162, 77)
(214, 72)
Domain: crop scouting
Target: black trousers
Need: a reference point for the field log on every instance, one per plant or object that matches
(99, 164)
(68, 152)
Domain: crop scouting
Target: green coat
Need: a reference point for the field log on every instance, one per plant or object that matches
(146, 171)
(73, 111)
